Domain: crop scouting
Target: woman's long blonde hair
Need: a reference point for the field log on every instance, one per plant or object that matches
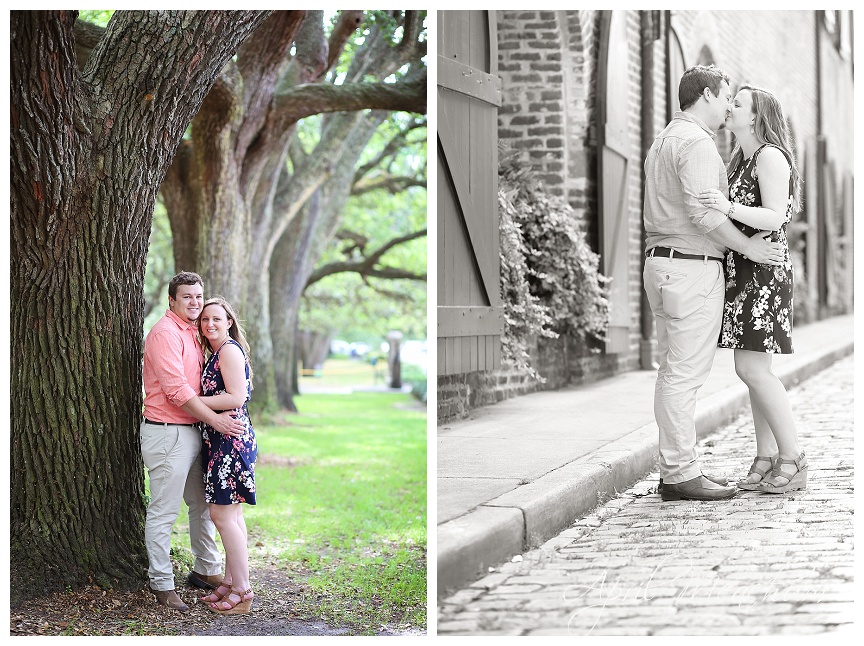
(770, 127)
(235, 330)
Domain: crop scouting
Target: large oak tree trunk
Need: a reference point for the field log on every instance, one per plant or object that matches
(88, 153)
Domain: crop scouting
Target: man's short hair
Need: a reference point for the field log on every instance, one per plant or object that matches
(697, 78)
(183, 278)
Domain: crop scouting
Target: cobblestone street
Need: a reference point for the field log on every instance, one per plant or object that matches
(756, 564)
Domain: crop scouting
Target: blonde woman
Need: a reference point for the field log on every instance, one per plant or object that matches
(228, 461)
(764, 192)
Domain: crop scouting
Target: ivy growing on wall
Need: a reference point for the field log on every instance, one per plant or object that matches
(549, 275)
(524, 315)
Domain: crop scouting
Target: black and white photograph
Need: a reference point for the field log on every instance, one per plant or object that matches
(644, 412)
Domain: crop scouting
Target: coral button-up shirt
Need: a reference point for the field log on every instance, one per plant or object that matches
(173, 360)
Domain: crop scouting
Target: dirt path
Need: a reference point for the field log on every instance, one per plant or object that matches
(92, 611)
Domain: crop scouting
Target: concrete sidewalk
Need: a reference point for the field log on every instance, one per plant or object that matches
(518, 472)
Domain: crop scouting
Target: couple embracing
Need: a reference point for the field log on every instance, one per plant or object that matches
(198, 444)
(718, 273)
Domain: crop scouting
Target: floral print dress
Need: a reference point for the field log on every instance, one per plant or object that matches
(229, 462)
(757, 314)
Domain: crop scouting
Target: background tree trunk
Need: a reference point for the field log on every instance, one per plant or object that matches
(350, 134)
(88, 153)
(314, 348)
(181, 192)
(289, 266)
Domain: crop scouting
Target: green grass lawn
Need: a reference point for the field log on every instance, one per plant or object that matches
(343, 373)
(342, 504)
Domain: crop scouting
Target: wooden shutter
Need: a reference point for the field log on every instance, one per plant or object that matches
(613, 160)
(470, 316)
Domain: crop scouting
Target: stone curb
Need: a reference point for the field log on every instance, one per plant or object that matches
(528, 516)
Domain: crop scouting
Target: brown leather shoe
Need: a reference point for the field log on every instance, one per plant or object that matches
(171, 599)
(205, 581)
(715, 479)
(696, 489)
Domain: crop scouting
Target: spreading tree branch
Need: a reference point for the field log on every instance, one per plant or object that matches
(87, 35)
(358, 239)
(393, 146)
(366, 266)
(394, 273)
(347, 24)
(396, 296)
(391, 183)
(315, 98)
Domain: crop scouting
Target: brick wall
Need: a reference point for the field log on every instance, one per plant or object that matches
(771, 49)
(459, 394)
(534, 109)
(554, 122)
(837, 128)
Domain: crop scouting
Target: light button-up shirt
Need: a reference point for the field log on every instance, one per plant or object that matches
(682, 162)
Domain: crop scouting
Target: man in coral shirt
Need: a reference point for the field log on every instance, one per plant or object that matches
(171, 443)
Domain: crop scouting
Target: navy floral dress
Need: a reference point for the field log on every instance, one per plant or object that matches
(229, 462)
(757, 314)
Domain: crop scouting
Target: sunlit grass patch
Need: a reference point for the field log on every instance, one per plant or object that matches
(342, 503)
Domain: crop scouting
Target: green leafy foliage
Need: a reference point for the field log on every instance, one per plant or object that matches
(550, 278)
(388, 22)
(96, 17)
(346, 306)
(416, 376)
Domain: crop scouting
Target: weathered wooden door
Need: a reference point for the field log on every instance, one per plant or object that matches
(675, 67)
(613, 160)
(470, 317)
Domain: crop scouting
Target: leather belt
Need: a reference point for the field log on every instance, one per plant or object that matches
(150, 421)
(666, 252)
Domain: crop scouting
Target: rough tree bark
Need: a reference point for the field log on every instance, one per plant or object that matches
(89, 150)
(239, 147)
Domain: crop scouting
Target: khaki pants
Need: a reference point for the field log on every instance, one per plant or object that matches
(172, 455)
(686, 297)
